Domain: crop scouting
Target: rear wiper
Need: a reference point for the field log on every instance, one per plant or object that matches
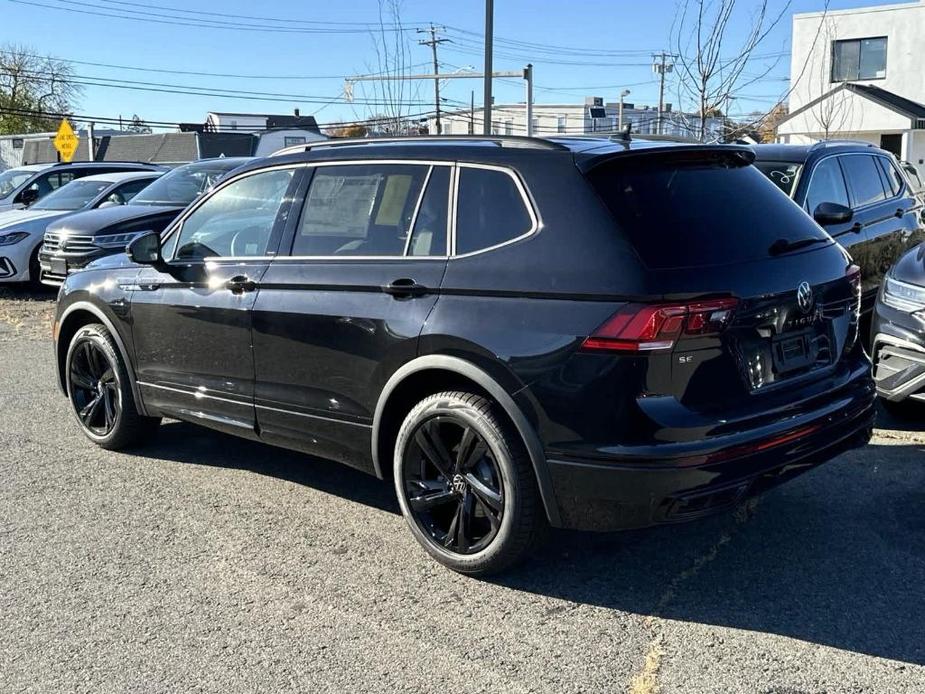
(786, 245)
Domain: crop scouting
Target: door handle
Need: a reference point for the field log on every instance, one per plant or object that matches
(404, 288)
(857, 227)
(240, 284)
(900, 212)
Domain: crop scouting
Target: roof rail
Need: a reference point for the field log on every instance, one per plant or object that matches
(829, 143)
(499, 140)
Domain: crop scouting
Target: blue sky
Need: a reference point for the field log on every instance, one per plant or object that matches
(313, 63)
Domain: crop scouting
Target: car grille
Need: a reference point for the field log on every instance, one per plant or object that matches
(68, 244)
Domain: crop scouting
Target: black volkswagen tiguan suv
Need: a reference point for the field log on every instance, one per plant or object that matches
(518, 332)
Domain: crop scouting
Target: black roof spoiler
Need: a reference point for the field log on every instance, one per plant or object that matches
(589, 160)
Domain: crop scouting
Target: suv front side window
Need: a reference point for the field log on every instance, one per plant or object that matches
(826, 185)
(237, 220)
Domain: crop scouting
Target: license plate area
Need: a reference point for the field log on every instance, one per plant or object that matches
(793, 351)
(57, 266)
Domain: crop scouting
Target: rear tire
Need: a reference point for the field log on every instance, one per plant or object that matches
(100, 392)
(465, 484)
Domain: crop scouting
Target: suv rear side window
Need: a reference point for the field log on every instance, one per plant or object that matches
(490, 210)
(360, 209)
(698, 212)
(894, 179)
(865, 179)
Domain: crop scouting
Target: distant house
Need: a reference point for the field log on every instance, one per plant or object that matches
(857, 74)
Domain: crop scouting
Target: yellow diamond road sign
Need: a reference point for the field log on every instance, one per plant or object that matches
(66, 141)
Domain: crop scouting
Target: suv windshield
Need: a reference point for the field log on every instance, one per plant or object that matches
(72, 196)
(700, 212)
(185, 183)
(783, 174)
(12, 179)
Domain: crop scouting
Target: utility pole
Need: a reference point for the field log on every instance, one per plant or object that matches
(433, 42)
(623, 94)
(489, 41)
(472, 112)
(663, 65)
(528, 80)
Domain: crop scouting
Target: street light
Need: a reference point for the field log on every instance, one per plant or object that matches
(624, 93)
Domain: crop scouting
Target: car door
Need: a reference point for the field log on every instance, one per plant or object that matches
(343, 304)
(192, 317)
(875, 211)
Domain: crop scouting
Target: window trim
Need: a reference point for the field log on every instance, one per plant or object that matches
(177, 226)
(452, 208)
(859, 41)
(528, 204)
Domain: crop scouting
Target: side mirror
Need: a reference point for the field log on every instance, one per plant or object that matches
(28, 196)
(145, 249)
(828, 213)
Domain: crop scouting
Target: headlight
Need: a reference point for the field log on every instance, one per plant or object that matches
(13, 237)
(904, 297)
(115, 240)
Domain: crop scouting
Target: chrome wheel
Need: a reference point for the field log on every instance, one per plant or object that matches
(452, 484)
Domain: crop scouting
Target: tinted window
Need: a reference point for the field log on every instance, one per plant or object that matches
(366, 209)
(237, 220)
(826, 185)
(185, 183)
(11, 180)
(429, 234)
(72, 196)
(863, 178)
(697, 213)
(783, 174)
(490, 210)
(891, 175)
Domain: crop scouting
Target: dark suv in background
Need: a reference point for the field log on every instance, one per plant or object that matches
(79, 239)
(858, 194)
(516, 331)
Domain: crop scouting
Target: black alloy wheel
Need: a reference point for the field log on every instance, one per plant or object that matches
(94, 389)
(453, 484)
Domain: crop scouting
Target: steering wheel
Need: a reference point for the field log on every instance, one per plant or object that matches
(241, 238)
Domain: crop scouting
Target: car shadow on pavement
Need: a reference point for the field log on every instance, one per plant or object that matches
(835, 557)
(187, 443)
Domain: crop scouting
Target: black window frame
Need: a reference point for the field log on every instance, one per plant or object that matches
(860, 42)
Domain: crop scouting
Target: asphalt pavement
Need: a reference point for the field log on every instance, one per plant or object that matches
(204, 563)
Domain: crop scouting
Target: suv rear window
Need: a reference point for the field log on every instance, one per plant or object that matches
(698, 212)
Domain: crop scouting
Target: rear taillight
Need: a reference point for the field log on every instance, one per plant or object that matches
(652, 327)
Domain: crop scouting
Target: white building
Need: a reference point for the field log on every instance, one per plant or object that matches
(593, 116)
(858, 74)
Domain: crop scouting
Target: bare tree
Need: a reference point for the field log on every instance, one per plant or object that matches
(388, 106)
(711, 65)
(832, 113)
(138, 126)
(35, 90)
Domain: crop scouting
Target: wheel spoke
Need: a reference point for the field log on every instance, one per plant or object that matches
(425, 495)
(108, 376)
(109, 407)
(80, 378)
(467, 444)
(89, 411)
(488, 496)
(450, 539)
(90, 358)
(432, 447)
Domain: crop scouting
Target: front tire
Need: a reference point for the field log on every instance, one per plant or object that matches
(100, 392)
(465, 484)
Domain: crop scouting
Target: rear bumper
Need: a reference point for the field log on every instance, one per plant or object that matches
(600, 495)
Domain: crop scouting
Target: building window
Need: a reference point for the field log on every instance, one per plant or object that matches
(291, 141)
(560, 124)
(447, 126)
(508, 127)
(17, 143)
(859, 59)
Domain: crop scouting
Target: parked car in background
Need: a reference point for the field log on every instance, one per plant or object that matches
(857, 193)
(516, 331)
(72, 243)
(898, 336)
(25, 185)
(22, 231)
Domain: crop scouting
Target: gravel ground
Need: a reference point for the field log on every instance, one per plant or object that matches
(203, 563)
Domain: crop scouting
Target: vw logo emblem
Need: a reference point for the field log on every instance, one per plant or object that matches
(805, 297)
